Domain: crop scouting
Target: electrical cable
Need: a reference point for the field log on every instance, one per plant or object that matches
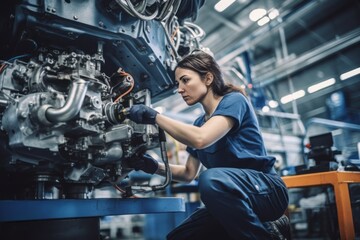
(125, 93)
(173, 12)
(17, 57)
(129, 8)
(167, 35)
(174, 33)
(122, 190)
(165, 11)
(178, 34)
(200, 32)
(2, 67)
(122, 73)
(6, 62)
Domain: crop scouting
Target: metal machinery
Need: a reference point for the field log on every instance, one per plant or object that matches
(69, 71)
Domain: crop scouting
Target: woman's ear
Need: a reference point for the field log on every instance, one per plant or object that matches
(209, 78)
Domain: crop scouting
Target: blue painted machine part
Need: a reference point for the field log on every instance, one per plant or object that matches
(23, 210)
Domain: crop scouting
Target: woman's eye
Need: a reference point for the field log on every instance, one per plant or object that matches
(185, 80)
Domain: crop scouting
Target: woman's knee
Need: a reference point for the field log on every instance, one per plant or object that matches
(210, 183)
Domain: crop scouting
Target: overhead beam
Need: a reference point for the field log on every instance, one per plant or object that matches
(309, 58)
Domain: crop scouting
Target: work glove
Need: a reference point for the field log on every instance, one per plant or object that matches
(145, 163)
(142, 114)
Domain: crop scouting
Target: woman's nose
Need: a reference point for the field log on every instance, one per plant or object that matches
(180, 90)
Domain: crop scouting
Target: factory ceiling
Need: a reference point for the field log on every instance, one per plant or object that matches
(280, 55)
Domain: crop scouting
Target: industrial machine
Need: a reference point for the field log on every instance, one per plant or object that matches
(69, 71)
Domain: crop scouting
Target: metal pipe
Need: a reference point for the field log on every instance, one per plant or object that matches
(309, 58)
(332, 123)
(72, 105)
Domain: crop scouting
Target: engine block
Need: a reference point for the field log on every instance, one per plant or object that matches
(69, 67)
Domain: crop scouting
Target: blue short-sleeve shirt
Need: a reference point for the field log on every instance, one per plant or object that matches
(242, 146)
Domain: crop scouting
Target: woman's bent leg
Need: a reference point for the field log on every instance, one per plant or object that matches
(200, 225)
(241, 199)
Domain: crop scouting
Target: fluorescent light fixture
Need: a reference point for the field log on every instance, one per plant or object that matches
(256, 14)
(292, 97)
(321, 85)
(223, 4)
(263, 21)
(273, 13)
(350, 74)
(265, 109)
(273, 104)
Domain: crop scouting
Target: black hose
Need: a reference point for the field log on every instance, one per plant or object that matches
(168, 177)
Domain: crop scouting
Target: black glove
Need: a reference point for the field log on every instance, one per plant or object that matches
(142, 114)
(145, 163)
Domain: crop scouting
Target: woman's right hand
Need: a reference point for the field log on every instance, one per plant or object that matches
(142, 114)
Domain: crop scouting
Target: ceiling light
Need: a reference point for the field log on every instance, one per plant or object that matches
(263, 21)
(321, 85)
(350, 74)
(292, 97)
(256, 14)
(273, 13)
(265, 109)
(223, 4)
(273, 104)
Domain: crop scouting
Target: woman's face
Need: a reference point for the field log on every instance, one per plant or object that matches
(190, 86)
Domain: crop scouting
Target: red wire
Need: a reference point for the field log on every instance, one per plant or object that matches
(123, 73)
(125, 93)
(2, 67)
(121, 190)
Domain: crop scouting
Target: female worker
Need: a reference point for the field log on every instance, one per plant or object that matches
(240, 189)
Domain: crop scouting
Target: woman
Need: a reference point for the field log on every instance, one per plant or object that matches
(240, 188)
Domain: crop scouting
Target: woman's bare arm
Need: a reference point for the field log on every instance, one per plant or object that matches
(182, 173)
(197, 137)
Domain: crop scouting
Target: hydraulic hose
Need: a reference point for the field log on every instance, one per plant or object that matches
(168, 177)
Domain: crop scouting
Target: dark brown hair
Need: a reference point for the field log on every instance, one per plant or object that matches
(204, 63)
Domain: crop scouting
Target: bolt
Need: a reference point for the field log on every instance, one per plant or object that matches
(75, 17)
(23, 114)
(152, 58)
